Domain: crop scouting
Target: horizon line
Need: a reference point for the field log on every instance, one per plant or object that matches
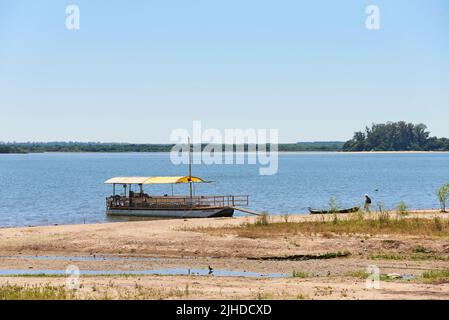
(157, 143)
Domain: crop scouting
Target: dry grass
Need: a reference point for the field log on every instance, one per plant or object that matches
(142, 293)
(260, 295)
(357, 223)
(112, 291)
(35, 292)
(95, 292)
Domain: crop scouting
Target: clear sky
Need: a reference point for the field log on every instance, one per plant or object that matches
(136, 70)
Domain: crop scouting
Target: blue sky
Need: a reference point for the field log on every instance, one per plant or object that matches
(136, 70)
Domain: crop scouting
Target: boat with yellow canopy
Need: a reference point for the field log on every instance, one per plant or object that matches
(140, 204)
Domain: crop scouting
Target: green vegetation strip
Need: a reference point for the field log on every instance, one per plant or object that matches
(302, 257)
(37, 147)
(357, 223)
(409, 257)
(436, 276)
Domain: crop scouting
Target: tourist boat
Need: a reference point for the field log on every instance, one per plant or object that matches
(141, 204)
(319, 211)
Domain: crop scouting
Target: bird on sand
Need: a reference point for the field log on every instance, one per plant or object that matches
(210, 269)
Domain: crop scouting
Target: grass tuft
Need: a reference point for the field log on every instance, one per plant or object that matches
(436, 276)
(402, 208)
(262, 220)
(300, 274)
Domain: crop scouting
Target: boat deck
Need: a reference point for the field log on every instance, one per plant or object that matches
(144, 201)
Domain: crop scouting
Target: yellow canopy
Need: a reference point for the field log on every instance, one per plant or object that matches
(153, 180)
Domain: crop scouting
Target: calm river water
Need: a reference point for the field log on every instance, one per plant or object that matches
(65, 188)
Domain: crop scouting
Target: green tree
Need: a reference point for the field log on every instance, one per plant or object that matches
(443, 196)
(395, 136)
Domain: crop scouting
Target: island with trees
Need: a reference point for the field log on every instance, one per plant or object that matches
(396, 136)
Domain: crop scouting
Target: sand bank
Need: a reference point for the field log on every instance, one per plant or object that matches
(174, 244)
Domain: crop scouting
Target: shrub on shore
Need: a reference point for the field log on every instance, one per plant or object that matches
(443, 196)
(333, 205)
(402, 208)
(262, 220)
(300, 274)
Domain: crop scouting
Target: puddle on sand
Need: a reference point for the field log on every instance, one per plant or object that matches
(80, 258)
(166, 271)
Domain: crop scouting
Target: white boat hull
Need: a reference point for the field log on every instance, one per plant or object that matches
(172, 213)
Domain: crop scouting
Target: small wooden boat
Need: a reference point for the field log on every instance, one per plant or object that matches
(319, 211)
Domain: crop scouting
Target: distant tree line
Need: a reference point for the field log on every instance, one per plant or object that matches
(396, 136)
(4, 148)
(390, 136)
(38, 147)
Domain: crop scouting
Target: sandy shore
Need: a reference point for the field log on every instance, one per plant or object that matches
(175, 244)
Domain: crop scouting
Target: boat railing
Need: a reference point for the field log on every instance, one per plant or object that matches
(177, 201)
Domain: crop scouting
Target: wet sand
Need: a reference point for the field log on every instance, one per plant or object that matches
(174, 244)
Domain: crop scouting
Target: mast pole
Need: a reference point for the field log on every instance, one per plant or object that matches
(190, 169)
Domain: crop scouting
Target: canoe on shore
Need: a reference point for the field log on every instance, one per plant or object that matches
(319, 211)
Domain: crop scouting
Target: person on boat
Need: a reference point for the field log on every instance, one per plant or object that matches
(367, 203)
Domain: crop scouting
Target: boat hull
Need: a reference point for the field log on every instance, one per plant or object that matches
(318, 211)
(173, 213)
